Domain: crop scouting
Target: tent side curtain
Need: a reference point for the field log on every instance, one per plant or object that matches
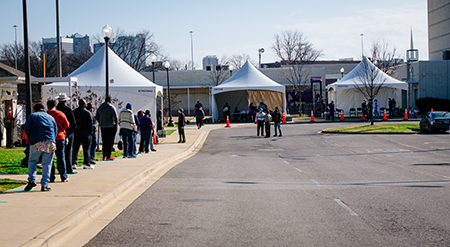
(242, 99)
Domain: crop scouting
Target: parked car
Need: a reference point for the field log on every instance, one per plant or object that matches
(432, 121)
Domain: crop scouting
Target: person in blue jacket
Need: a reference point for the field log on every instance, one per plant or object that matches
(41, 130)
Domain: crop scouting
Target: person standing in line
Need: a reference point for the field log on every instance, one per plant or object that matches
(83, 134)
(181, 124)
(135, 133)
(41, 130)
(364, 110)
(107, 120)
(127, 130)
(376, 109)
(267, 120)
(252, 112)
(60, 141)
(140, 114)
(62, 98)
(199, 115)
(226, 111)
(147, 128)
(276, 116)
(260, 117)
(331, 107)
(90, 108)
(198, 104)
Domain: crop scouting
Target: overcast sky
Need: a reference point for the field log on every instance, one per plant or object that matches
(231, 27)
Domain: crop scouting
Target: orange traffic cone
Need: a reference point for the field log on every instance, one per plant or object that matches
(155, 139)
(228, 122)
(431, 109)
(406, 114)
(312, 116)
(384, 115)
(342, 115)
(284, 117)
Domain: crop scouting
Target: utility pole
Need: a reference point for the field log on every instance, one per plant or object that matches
(58, 41)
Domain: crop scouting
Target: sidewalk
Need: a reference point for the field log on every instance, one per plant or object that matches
(73, 213)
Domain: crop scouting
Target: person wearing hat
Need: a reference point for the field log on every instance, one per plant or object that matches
(128, 128)
(62, 98)
(41, 130)
(107, 120)
(83, 134)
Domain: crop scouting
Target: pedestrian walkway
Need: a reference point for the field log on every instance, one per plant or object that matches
(73, 213)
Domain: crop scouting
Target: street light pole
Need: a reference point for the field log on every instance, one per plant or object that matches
(27, 60)
(342, 72)
(58, 42)
(167, 65)
(231, 70)
(260, 51)
(15, 46)
(192, 50)
(153, 60)
(106, 31)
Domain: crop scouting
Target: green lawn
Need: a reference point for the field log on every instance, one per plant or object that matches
(378, 128)
(8, 184)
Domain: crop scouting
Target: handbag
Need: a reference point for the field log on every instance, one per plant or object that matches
(120, 145)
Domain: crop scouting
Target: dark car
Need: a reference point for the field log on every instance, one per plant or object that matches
(432, 121)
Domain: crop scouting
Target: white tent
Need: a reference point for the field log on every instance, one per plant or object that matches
(245, 86)
(346, 96)
(126, 84)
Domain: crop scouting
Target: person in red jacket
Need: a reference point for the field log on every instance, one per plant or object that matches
(63, 124)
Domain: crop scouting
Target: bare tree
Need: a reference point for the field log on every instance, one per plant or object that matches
(371, 81)
(294, 51)
(218, 74)
(384, 58)
(237, 60)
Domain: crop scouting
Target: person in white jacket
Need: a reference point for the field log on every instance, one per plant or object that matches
(260, 117)
(127, 130)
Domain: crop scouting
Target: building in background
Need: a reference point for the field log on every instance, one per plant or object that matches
(80, 43)
(74, 44)
(210, 62)
(439, 30)
(49, 44)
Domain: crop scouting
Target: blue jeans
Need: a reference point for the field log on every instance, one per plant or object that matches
(60, 161)
(47, 162)
(68, 154)
(127, 139)
(377, 114)
(93, 146)
(277, 126)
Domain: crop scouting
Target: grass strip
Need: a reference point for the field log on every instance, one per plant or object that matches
(378, 128)
(8, 184)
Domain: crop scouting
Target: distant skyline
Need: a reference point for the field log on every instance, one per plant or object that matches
(234, 27)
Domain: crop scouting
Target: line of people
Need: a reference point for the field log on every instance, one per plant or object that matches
(62, 131)
(263, 119)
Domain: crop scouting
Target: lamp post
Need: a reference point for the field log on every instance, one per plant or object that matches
(230, 67)
(192, 51)
(15, 46)
(153, 60)
(106, 31)
(342, 72)
(167, 65)
(27, 59)
(260, 51)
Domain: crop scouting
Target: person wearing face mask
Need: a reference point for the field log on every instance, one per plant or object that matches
(260, 117)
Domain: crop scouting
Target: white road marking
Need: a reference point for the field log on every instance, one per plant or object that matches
(286, 162)
(317, 183)
(298, 170)
(352, 213)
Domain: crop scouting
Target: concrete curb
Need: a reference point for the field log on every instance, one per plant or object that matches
(68, 227)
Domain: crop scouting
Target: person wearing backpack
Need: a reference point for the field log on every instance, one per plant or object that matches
(276, 115)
